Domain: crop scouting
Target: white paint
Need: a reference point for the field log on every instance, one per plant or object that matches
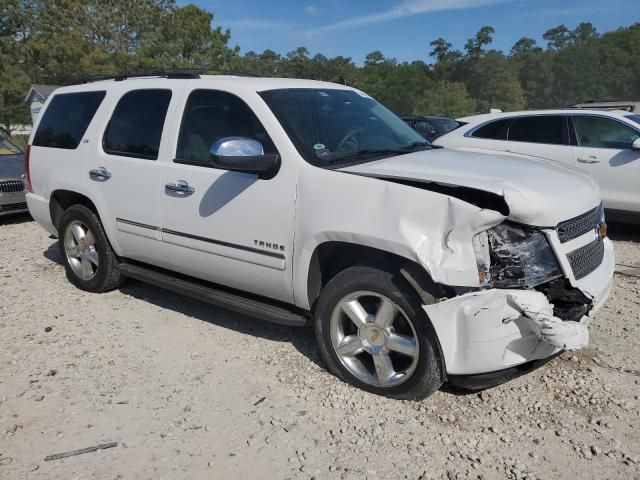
(304, 206)
(617, 170)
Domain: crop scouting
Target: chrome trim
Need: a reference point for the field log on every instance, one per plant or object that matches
(204, 239)
(179, 189)
(99, 174)
(136, 224)
(224, 244)
(236, 147)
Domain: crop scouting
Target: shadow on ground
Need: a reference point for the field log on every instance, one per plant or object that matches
(15, 219)
(301, 338)
(625, 232)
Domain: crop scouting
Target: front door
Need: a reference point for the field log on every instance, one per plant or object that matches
(604, 152)
(230, 228)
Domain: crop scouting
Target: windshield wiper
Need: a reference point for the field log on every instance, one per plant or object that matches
(414, 145)
(368, 151)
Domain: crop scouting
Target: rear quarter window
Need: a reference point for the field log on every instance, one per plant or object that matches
(496, 130)
(66, 119)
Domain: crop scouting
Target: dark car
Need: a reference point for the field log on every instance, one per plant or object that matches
(431, 126)
(12, 186)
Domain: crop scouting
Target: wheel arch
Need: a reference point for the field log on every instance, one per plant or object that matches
(62, 200)
(331, 257)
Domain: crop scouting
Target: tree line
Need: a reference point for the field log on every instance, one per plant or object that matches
(62, 41)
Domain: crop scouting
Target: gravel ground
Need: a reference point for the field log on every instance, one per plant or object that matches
(192, 391)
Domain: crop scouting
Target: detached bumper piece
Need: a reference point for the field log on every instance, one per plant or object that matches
(481, 381)
(494, 330)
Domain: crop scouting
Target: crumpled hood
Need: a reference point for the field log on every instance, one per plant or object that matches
(538, 192)
(11, 166)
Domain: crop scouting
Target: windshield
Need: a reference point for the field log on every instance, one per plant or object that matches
(444, 125)
(633, 118)
(7, 148)
(340, 126)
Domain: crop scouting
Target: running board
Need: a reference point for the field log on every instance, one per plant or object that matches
(253, 306)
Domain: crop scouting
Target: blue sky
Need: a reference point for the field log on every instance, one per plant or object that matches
(402, 28)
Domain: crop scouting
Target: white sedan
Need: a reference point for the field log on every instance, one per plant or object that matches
(602, 144)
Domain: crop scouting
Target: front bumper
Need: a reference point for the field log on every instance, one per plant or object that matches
(492, 330)
(12, 203)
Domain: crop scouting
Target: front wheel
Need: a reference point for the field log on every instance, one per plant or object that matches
(373, 333)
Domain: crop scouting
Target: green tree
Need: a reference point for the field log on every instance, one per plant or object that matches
(557, 38)
(185, 39)
(494, 83)
(450, 99)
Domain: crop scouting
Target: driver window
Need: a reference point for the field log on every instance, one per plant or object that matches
(211, 115)
(598, 132)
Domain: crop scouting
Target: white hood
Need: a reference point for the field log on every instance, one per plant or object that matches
(537, 192)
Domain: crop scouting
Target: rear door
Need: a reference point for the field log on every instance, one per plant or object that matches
(603, 150)
(124, 177)
(541, 136)
(230, 228)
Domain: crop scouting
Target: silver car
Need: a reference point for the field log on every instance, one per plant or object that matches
(12, 185)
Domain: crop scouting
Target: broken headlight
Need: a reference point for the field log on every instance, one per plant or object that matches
(514, 256)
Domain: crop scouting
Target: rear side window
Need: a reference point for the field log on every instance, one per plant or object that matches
(66, 119)
(494, 130)
(540, 129)
(135, 128)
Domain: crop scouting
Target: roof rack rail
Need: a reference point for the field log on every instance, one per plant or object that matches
(119, 77)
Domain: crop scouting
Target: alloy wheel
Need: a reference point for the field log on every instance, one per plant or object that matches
(80, 249)
(374, 339)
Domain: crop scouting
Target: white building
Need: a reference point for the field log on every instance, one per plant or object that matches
(36, 97)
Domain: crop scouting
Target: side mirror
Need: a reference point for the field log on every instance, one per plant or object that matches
(636, 144)
(242, 154)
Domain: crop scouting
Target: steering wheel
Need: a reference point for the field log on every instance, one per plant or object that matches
(349, 141)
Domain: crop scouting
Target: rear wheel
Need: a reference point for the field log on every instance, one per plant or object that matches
(374, 334)
(89, 261)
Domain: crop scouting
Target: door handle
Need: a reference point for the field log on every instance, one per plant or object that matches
(591, 159)
(179, 189)
(99, 174)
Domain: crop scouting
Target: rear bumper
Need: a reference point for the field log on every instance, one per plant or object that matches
(12, 203)
(492, 330)
(39, 209)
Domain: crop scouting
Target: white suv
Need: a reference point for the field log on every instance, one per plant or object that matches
(308, 202)
(602, 144)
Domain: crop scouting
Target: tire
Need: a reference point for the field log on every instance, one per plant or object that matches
(417, 370)
(81, 227)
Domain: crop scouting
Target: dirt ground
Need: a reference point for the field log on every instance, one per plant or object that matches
(193, 391)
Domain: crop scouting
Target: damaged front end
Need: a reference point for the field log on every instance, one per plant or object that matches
(526, 308)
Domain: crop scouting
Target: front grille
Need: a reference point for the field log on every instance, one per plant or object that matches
(11, 186)
(570, 229)
(586, 259)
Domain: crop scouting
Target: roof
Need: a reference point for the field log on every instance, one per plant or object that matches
(564, 111)
(255, 84)
(40, 91)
